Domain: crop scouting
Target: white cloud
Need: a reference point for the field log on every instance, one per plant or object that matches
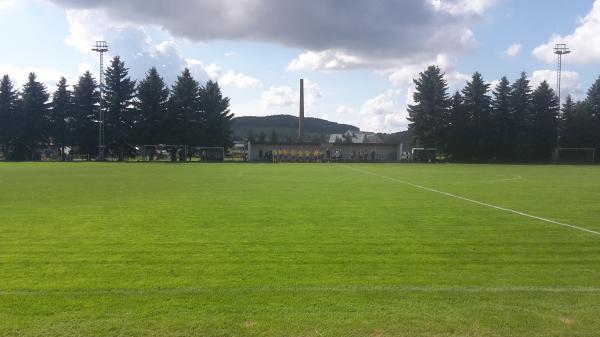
(6, 4)
(336, 59)
(326, 60)
(345, 110)
(85, 26)
(513, 50)
(214, 71)
(225, 78)
(201, 71)
(279, 97)
(461, 7)
(584, 41)
(85, 66)
(238, 80)
(570, 84)
(404, 75)
(285, 96)
(136, 48)
(493, 84)
(457, 80)
(390, 29)
(48, 76)
(382, 113)
(312, 93)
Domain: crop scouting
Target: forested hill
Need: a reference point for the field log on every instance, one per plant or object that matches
(286, 126)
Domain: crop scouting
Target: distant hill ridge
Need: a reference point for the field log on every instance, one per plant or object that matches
(311, 125)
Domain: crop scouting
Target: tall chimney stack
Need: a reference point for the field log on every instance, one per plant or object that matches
(301, 117)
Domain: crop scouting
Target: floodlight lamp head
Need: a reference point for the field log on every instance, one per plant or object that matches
(100, 46)
(561, 49)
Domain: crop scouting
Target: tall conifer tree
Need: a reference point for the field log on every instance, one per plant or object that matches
(32, 120)
(84, 126)
(152, 99)
(8, 107)
(186, 118)
(521, 133)
(477, 104)
(60, 115)
(458, 133)
(544, 121)
(218, 116)
(502, 144)
(119, 94)
(592, 102)
(428, 114)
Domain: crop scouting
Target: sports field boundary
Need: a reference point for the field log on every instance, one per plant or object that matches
(480, 203)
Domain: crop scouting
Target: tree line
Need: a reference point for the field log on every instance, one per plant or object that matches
(147, 112)
(511, 122)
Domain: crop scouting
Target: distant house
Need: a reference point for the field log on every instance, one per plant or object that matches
(356, 137)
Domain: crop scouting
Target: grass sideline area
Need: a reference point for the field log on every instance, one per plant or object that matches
(103, 249)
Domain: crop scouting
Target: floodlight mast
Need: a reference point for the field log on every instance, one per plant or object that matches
(101, 47)
(560, 49)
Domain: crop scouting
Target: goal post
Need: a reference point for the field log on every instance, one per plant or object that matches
(208, 154)
(424, 155)
(563, 155)
(165, 153)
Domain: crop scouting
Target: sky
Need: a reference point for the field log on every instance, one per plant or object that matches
(358, 58)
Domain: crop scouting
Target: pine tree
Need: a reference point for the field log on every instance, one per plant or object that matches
(427, 115)
(544, 121)
(83, 127)
(593, 104)
(502, 143)
(119, 94)
(32, 120)
(520, 101)
(60, 114)
(477, 105)
(251, 137)
(185, 118)
(152, 99)
(566, 119)
(262, 137)
(274, 137)
(577, 125)
(593, 99)
(458, 133)
(218, 116)
(8, 107)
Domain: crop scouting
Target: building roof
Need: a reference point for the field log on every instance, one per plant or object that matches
(357, 137)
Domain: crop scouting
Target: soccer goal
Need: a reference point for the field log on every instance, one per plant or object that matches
(210, 154)
(574, 155)
(165, 153)
(424, 155)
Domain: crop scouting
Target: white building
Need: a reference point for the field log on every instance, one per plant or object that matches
(356, 136)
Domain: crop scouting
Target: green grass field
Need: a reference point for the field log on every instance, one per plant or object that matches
(297, 250)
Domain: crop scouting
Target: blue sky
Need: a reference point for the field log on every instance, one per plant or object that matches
(358, 56)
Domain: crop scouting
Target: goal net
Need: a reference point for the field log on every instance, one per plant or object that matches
(424, 155)
(574, 155)
(165, 153)
(210, 154)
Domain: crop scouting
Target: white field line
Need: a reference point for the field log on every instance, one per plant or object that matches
(477, 202)
(504, 180)
(300, 289)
